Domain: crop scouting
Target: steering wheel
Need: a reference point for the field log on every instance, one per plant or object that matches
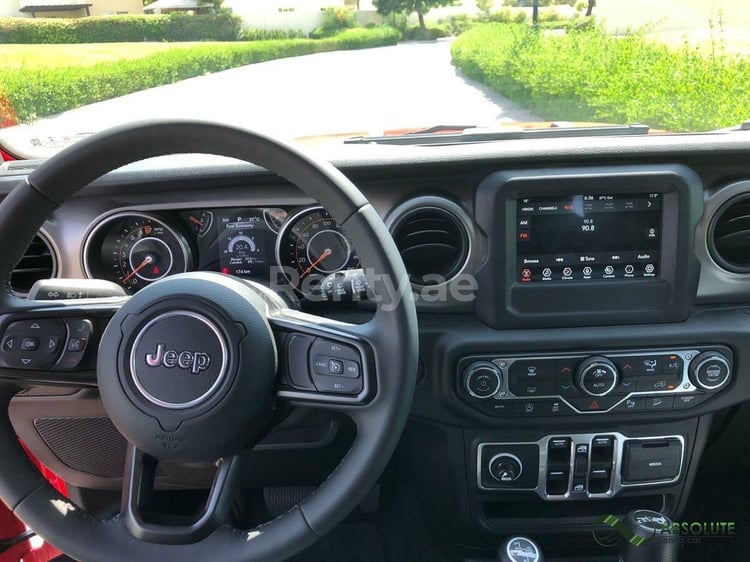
(188, 368)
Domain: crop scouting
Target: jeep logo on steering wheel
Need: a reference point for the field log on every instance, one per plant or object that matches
(195, 361)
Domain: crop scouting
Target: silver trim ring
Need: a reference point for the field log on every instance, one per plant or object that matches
(511, 556)
(508, 456)
(396, 216)
(219, 379)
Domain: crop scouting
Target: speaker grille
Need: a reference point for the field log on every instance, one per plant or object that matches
(91, 445)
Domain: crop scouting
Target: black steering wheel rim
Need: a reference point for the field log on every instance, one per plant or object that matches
(392, 334)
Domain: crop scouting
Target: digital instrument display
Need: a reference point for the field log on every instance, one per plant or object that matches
(242, 242)
(588, 237)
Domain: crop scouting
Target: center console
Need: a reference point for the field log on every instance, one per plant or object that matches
(587, 382)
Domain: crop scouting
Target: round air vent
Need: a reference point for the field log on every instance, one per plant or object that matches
(433, 237)
(37, 263)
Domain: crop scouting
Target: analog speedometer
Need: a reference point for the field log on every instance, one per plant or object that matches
(134, 250)
(311, 246)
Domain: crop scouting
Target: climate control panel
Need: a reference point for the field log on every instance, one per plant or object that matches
(624, 381)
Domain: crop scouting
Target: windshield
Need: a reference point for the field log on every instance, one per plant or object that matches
(322, 71)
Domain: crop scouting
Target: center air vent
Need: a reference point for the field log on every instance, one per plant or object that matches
(432, 235)
(37, 263)
(729, 235)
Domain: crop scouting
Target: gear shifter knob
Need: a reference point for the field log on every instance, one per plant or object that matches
(519, 549)
(643, 537)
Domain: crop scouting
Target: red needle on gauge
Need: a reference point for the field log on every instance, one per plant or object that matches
(147, 260)
(198, 222)
(323, 256)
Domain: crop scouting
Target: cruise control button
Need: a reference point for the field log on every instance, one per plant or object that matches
(320, 365)
(335, 367)
(338, 385)
(334, 349)
(351, 369)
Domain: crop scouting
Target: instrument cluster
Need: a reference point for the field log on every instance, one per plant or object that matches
(266, 244)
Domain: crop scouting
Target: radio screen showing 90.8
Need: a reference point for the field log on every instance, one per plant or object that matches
(588, 237)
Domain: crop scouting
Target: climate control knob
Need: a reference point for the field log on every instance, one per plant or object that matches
(482, 379)
(710, 370)
(597, 376)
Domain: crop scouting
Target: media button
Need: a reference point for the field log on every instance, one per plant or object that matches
(547, 273)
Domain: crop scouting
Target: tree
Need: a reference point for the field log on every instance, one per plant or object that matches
(485, 7)
(421, 7)
(590, 7)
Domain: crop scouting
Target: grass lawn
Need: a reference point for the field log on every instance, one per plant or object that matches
(81, 54)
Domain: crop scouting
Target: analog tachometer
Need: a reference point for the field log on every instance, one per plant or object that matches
(135, 250)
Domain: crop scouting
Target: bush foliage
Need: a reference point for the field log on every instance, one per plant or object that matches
(37, 92)
(119, 29)
(588, 75)
(335, 20)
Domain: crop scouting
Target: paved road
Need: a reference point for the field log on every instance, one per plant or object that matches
(408, 85)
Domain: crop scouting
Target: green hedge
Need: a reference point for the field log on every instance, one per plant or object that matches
(35, 93)
(271, 34)
(118, 29)
(588, 75)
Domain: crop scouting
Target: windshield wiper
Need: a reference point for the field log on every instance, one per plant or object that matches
(434, 136)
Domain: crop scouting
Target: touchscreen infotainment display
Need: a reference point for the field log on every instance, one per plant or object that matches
(588, 237)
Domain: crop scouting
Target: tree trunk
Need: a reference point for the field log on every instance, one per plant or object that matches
(420, 15)
(590, 8)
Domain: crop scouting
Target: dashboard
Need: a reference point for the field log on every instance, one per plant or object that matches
(134, 249)
(583, 309)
